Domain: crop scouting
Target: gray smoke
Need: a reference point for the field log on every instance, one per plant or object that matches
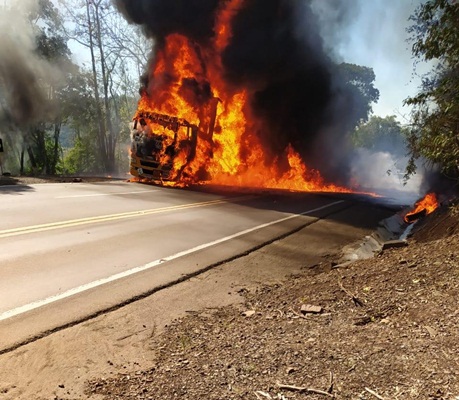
(23, 73)
(373, 33)
(335, 17)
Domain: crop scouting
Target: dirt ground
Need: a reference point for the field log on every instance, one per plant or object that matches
(384, 328)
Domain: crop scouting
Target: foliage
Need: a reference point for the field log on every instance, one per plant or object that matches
(51, 46)
(81, 158)
(359, 81)
(435, 132)
(381, 134)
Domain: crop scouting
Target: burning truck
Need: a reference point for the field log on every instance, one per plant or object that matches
(153, 153)
(236, 93)
(162, 146)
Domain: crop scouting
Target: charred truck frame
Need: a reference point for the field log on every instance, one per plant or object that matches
(153, 153)
(158, 139)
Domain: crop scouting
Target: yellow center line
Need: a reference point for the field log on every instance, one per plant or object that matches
(111, 217)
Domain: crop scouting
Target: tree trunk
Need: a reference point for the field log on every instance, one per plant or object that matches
(55, 158)
(32, 159)
(21, 161)
(101, 138)
(39, 159)
(108, 118)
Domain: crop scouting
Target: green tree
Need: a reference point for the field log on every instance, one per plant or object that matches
(360, 84)
(435, 132)
(79, 106)
(51, 46)
(381, 134)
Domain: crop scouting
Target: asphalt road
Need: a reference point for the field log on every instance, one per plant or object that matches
(69, 251)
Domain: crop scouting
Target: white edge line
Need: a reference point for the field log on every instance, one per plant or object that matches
(40, 303)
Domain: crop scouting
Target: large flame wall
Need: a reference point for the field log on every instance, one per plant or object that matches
(266, 116)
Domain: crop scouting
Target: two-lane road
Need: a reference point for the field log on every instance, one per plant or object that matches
(72, 250)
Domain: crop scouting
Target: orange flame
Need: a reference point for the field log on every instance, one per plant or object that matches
(222, 24)
(428, 204)
(233, 154)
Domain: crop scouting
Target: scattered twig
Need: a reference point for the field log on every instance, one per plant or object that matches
(331, 384)
(297, 314)
(354, 298)
(281, 313)
(372, 392)
(351, 369)
(259, 393)
(304, 390)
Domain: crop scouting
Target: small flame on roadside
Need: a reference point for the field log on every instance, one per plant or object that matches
(428, 204)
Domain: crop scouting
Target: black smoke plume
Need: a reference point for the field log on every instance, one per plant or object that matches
(277, 51)
(191, 18)
(24, 97)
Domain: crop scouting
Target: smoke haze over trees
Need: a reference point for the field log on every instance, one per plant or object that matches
(43, 93)
(34, 62)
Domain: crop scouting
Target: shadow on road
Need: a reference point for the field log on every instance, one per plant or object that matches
(10, 185)
(365, 210)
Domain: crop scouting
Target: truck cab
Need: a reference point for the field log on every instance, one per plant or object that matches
(157, 140)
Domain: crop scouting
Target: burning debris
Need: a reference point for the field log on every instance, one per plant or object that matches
(253, 84)
(423, 207)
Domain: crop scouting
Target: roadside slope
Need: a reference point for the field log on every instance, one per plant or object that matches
(388, 328)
